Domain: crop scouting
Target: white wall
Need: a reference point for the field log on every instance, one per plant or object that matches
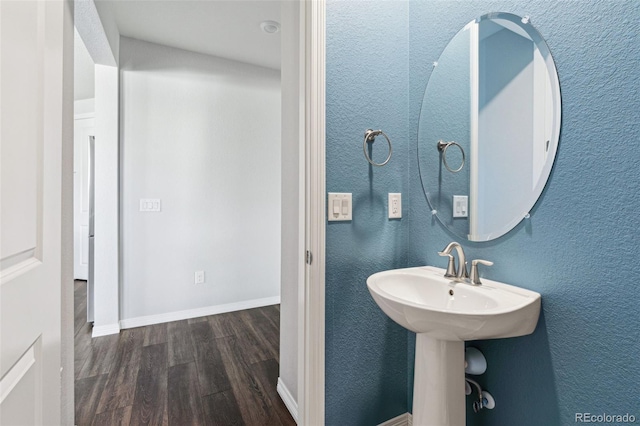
(203, 135)
(83, 72)
(106, 222)
(101, 39)
(292, 224)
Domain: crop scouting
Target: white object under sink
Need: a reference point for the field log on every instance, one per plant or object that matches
(444, 313)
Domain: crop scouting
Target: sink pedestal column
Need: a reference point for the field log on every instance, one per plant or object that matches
(438, 388)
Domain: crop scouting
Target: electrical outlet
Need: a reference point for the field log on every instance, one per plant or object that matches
(150, 205)
(199, 277)
(395, 205)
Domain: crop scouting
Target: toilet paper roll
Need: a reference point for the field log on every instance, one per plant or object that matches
(476, 363)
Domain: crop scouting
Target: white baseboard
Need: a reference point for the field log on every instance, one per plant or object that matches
(288, 399)
(105, 330)
(401, 420)
(198, 312)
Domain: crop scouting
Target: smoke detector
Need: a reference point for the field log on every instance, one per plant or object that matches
(270, 27)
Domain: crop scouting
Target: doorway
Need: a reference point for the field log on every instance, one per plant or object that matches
(292, 347)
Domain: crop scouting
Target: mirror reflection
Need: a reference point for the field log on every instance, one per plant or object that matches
(489, 126)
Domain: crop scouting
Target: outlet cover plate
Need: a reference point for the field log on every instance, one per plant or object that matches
(150, 205)
(460, 206)
(395, 205)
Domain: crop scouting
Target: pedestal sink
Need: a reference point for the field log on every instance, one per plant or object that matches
(444, 313)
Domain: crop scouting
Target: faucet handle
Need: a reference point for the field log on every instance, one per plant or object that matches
(451, 267)
(474, 276)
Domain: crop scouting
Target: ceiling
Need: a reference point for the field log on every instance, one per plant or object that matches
(224, 28)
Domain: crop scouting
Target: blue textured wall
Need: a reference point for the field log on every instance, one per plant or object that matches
(580, 247)
(367, 87)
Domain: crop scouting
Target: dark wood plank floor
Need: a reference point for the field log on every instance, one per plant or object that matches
(219, 370)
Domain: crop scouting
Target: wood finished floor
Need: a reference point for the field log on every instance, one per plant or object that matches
(219, 370)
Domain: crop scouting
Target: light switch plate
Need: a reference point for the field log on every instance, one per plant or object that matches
(460, 206)
(395, 205)
(339, 206)
(150, 205)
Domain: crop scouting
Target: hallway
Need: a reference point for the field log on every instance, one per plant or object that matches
(216, 370)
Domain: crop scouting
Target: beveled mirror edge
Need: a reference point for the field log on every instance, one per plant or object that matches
(556, 92)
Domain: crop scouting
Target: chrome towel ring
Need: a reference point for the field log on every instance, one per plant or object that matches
(370, 136)
(442, 147)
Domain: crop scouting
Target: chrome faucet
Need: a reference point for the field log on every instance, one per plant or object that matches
(461, 272)
(475, 277)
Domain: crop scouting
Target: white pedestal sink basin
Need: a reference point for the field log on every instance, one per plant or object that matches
(445, 313)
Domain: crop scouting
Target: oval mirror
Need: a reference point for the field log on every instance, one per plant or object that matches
(489, 126)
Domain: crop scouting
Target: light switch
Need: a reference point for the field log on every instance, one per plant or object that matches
(460, 206)
(339, 206)
(150, 205)
(395, 205)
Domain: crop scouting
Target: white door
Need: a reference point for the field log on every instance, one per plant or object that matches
(83, 128)
(31, 127)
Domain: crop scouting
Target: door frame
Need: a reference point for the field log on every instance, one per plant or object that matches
(311, 309)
